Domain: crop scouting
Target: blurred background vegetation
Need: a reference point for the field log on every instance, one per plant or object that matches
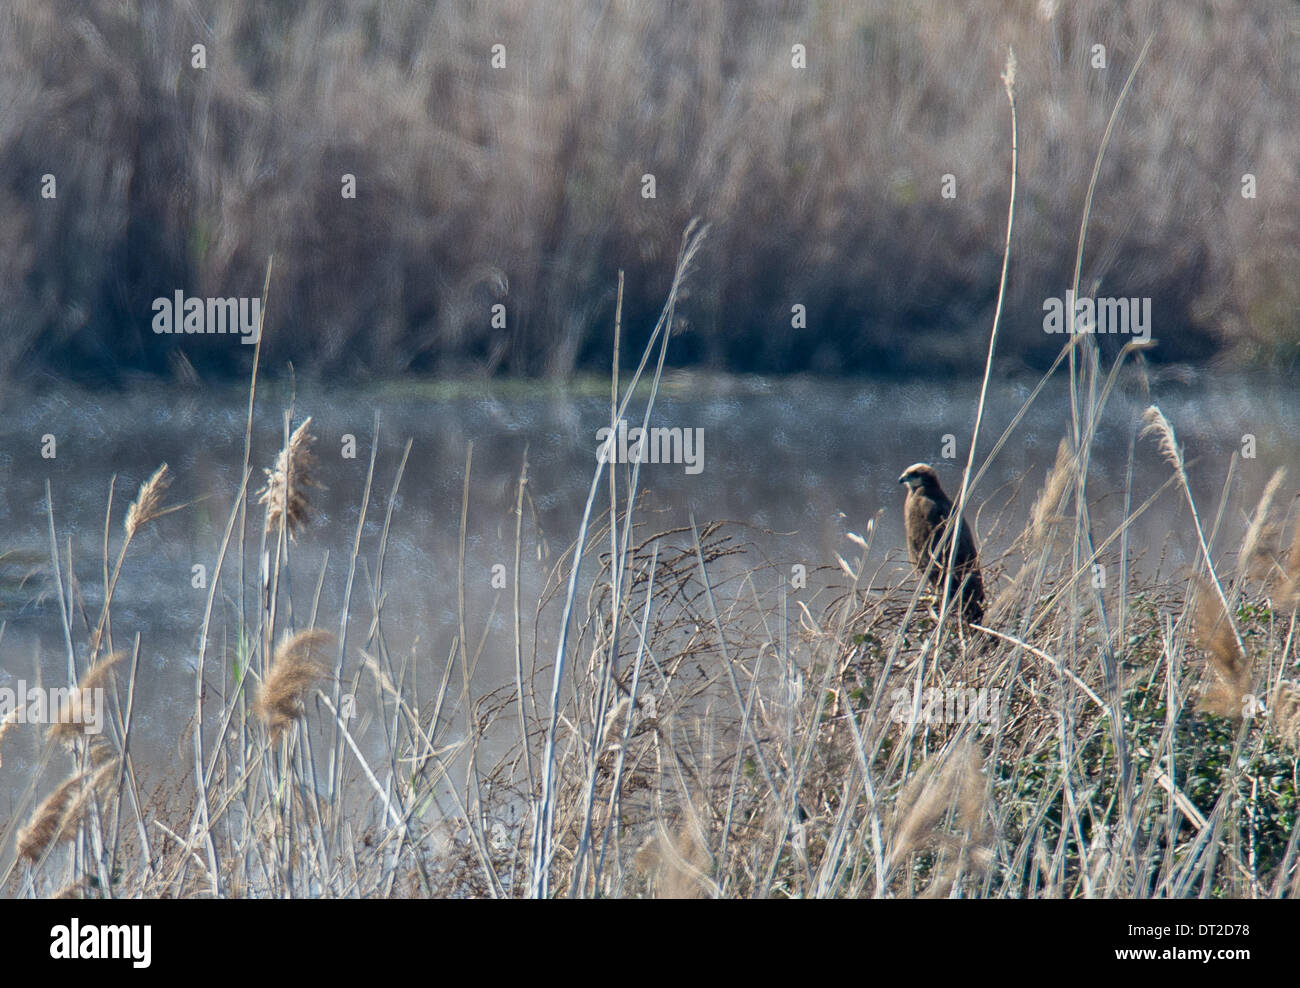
(522, 184)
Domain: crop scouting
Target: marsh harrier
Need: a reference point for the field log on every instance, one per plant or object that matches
(925, 519)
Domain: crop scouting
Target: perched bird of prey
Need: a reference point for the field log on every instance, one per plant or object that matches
(925, 519)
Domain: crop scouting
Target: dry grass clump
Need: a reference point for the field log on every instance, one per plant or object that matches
(284, 494)
(292, 673)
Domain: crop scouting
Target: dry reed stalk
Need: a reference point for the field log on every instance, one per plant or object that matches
(1009, 85)
(1232, 652)
(293, 672)
(615, 724)
(284, 494)
(544, 814)
(146, 507)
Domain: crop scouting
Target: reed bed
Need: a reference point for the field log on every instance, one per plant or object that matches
(716, 732)
(684, 721)
(521, 184)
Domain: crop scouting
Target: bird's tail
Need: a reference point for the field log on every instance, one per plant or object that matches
(972, 597)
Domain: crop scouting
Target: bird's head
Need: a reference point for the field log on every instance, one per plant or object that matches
(919, 475)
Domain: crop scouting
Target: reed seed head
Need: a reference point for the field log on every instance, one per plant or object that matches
(148, 503)
(71, 718)
(1046, 513)
(7, 724)
(56, 819)
(1155, 423)
(1230, 669)
(292, 673)
(1250, 545)
(1286, 713)
(284, 493)
(1291, 578)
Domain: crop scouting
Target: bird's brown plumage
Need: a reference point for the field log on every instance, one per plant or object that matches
(925, 517)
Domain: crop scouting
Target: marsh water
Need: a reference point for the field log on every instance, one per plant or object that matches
(799, 463)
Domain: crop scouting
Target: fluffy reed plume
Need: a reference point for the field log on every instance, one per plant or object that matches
(39, 831)
(1045, 517)
(77, 809)
(148, 503)
(1155, 423)
(1046, 528)
(56, 819)
(284, 494)
(292, 674)
(1286, 713)
(7, 725)
(1264, 563)
(71, 718)
(956, 785)
(101, 752)
(1250, 545)
(1290, 589)
(1228, 665)
(677, 864)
